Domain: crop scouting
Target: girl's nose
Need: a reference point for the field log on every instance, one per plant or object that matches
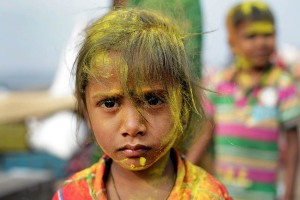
(133, 122)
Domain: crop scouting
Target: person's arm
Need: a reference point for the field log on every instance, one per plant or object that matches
(291, 163)
(199, 147)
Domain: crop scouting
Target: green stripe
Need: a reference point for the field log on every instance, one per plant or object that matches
(255, 187)
(246, 143)
(250, 195)
(263, 187)
(247, 152)
(223, 100)
(222, 109)
(290, 113)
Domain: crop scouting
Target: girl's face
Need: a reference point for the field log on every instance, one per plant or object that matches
(255, 42)
(134, 132)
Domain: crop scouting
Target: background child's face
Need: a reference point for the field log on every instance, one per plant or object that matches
(134, 132)
(255, 42)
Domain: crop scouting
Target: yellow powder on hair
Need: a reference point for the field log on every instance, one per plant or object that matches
(246, 8)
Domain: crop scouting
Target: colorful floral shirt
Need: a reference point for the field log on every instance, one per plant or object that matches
(192, 182)
(248, 124)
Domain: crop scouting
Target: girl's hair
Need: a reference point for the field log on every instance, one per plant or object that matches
(147, 49)
(248, 11)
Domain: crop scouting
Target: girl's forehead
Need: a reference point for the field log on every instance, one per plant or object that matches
(105, 65)
(114, 80)
(260, 27)
(113, 76)
(113, 85)
(112, 66)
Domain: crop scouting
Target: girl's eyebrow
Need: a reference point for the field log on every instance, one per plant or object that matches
(153, 89)
(109, 93)
(114, 93)
(157, 91)
(149, 90)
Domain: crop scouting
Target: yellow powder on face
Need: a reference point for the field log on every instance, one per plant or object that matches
(104, 63)
(123, 161)
(262, 27)
(242, 63)
(142, 161)
(132, 166)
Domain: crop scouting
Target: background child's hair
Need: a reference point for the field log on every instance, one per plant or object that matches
(248, 11)
(148, 49)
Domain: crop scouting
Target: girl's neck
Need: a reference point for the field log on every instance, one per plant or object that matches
(156, 181)
(248, 78)
(257, 69)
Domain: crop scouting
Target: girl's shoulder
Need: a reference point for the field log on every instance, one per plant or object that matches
(81, 185)
(77, 186)
(277, 76)
(193, 182)
(220, 77)
(285, 78)
(205, 185)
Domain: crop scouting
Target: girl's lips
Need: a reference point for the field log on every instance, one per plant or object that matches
(133, 151)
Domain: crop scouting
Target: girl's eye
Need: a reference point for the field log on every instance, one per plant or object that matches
(250, 36)
(153, 100)
(109, 103)
(266, 35)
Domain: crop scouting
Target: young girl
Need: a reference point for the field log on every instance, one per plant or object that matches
(135, 88)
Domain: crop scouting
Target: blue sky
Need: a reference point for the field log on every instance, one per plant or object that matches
(34, 34)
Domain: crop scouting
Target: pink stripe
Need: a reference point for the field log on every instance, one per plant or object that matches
(242, 102)
(262, 176)
(257, 175)
(226, 88)
(208, 107)
(286, 93)
(254, 133)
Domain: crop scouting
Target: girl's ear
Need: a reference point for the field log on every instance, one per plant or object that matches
(87, 118)
(232, 45)
(85, 113)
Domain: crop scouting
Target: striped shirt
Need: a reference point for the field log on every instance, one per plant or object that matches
(247, 130)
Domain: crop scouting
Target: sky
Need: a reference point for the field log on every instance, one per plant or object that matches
(34, 34)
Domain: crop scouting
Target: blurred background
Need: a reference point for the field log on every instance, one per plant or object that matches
(33, 38)
(34, 34)
(35, 42)
(215, 49)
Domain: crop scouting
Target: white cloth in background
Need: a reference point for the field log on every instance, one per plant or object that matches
(56, 134)
(290, 54)
(63, 83)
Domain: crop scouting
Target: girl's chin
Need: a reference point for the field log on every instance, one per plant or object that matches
(134, 164)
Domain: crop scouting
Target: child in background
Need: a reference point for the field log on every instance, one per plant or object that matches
(135, 88)
(255, 101)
